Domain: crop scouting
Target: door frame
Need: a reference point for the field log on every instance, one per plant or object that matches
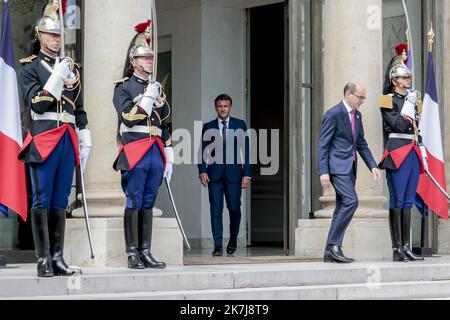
(296, 192)
(294, 155)
(247, 6)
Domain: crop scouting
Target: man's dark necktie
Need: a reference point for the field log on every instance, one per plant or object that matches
(224, 132)
(224, 139)
(353, 123)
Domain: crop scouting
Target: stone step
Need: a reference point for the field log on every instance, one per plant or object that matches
(21, 281)
(18, 256)
(389, 290)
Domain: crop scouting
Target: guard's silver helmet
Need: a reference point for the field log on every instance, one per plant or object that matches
(142, 43)
(399, 69)
(49, 22)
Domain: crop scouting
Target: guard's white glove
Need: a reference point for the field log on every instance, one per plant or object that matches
(168, 151)
(61, 72)
(153, 90)
(409, 107)
(423, 151)
(160, 102)
(85, 141)
(149, 97)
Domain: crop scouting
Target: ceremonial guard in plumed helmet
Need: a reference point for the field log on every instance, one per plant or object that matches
(56, 142)
(400, 109)
(145, 155)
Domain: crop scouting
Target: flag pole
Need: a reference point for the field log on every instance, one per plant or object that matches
(154, 31)
(425, 250)
(61, 21)
(422, 227)
(431, 36)
(411, 47)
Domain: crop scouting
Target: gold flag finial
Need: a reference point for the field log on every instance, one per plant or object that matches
(431, 36)
(51, 10)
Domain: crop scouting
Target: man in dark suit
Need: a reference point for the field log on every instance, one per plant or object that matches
(225, 169)
(342, 134)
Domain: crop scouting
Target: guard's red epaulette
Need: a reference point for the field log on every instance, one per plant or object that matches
(28, 59)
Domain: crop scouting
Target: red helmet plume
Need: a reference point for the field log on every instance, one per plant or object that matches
(142, 27)
(400, 49)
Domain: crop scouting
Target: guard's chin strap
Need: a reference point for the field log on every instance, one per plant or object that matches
(401, 85)
(141, 68)
(406, 88)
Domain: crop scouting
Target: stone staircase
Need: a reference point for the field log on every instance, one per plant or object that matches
(291, 281)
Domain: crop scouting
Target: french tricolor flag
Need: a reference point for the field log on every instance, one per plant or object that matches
(430, 130)
(13, 191)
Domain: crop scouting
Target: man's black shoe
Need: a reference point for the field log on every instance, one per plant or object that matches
(231, 248)
(218, 252)
(335, 254)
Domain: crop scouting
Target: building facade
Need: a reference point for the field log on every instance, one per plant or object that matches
(284, 63)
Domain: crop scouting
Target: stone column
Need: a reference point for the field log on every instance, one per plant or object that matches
(353, 51)
(109, 27)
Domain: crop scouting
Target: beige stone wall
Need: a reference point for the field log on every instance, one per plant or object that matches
(444, 226)
(445, 73)
(109, 27)
(353, 51)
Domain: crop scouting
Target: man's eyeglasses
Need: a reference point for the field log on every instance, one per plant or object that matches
(361, 98)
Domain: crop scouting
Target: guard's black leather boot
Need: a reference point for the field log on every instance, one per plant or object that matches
(395, 228)
(406, 235)
(57, 227)
(145, 239)
(39, 227)
(130, 227)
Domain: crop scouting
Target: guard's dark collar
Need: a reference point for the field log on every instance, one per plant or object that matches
(139, 79)
(46, 58)
(399, 95)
